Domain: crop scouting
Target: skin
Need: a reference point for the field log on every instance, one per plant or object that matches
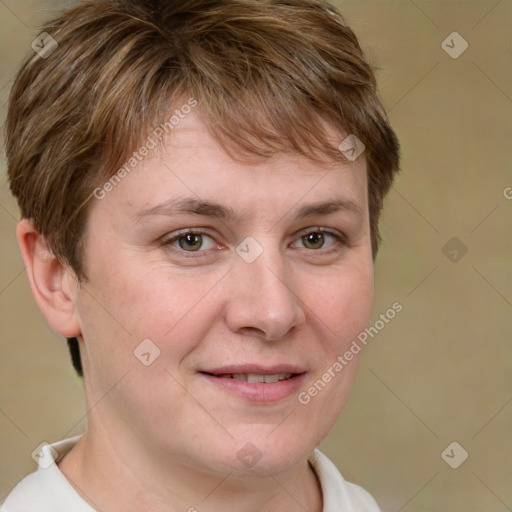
(162, 437)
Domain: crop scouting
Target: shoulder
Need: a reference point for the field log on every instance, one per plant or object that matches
(46, 490)
(23, 495)
(337, 491)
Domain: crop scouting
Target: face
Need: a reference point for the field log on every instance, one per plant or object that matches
(207, 277)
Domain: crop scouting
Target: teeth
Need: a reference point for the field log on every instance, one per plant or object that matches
(255, 379)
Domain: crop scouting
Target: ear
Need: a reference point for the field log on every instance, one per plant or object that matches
(53, 285)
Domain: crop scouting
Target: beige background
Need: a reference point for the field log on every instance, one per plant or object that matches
(441, 370)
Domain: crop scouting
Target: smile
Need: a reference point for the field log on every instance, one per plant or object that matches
(255, 378)
(257, 384)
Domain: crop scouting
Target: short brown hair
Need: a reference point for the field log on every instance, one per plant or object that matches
(268, 76)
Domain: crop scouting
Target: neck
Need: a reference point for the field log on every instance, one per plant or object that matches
(122, 476)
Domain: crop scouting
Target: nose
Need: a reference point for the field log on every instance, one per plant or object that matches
(262, 300)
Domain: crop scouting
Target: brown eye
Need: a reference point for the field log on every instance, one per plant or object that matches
(314, 240)
(191, 241)
(320, 239)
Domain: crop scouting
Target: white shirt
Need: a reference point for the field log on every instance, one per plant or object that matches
(48, 490)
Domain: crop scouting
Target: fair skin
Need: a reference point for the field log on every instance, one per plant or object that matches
(165, 437)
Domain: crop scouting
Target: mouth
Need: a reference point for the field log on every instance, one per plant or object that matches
(255, 383)
(254, 378)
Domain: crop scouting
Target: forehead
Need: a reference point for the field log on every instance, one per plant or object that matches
(189, 162)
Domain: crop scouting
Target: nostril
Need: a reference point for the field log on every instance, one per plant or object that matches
(252, 331)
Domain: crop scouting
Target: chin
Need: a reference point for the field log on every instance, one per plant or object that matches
(260, 453)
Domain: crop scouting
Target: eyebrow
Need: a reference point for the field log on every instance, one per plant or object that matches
(210, 209)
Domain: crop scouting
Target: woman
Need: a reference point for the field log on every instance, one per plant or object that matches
(200, 183)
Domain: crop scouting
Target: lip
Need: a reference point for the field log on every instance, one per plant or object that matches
(257, 369)
(258, 392)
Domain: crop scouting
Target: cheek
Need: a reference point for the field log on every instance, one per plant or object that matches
(342, 310)
(136, 302)
(125, 309)
(357, 303)
(343, 304)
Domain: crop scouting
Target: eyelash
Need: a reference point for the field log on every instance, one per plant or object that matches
(340, 238)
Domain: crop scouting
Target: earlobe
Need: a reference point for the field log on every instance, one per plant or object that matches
(53, 284)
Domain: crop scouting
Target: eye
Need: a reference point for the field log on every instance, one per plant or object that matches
(318, 239)
(199, 241)
(190, 241)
